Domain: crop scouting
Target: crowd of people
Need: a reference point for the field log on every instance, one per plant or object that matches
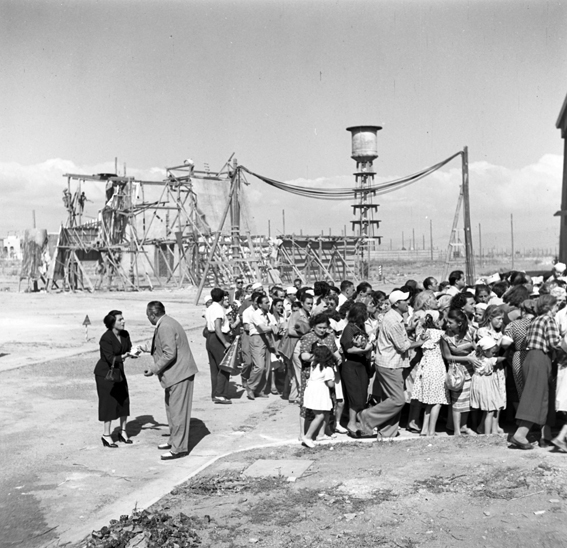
(353, 357)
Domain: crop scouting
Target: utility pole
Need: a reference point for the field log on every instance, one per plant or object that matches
(480, 243)
(283, 220)
(512, 236)
(467, 221)
(431, 237)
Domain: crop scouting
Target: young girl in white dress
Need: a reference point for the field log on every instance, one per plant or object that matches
(317, 395)
(486, 392)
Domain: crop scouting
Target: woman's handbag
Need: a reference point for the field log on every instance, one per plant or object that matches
(114, 374)
(231, 361)
(455, 378)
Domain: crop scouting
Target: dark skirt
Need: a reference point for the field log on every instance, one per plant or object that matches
(354, 377)
(113, 399)
(534, 401)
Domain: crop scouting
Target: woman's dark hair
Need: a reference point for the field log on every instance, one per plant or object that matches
(516, 295)
(322, 356)
(544, 304)
(217, 294)
(318, 319)
(274, 303)
(110, 319)
(518, 278)
(345, 308)
(461, 318)
(358, 314)
(500, 288)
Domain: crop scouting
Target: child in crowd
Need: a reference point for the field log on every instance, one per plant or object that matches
(429, 385)
(491, 323)
(486, 389)
(317, 395)
(479, 310)
(456, 346)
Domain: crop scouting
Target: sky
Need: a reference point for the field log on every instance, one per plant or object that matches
(277, 83)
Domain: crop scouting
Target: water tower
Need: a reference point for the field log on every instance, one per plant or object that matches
(364, 152)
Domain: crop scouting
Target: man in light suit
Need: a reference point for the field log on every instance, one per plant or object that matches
(175, 369)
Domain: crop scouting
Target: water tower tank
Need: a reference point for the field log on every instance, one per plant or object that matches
(364, 143)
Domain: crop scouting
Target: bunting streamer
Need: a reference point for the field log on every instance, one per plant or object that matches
(350, 193)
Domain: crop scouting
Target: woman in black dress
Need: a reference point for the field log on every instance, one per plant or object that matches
(113, 397)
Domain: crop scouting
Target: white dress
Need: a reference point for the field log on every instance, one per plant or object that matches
(317, 395)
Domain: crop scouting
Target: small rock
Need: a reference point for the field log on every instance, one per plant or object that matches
(349, 517)
(253, 540)
(486, 513)
(291, 479)
(554, 500)
(539, 512)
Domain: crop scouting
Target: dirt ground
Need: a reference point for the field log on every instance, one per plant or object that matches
(434, 492)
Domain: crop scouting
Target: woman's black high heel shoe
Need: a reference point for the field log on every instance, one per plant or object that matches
(106, 444)
(123, 439)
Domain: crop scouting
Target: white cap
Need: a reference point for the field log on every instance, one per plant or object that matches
(397, 296)
(559, 267)
(481, 306)
(256, 285)
(291, 290)
(486, 343)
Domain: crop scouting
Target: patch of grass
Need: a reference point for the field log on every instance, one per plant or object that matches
(227, 483)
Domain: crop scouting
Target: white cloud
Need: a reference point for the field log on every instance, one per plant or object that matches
(532, 193)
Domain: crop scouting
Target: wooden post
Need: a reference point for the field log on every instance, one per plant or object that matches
(467, 221)
(283, 220)
(235, 218)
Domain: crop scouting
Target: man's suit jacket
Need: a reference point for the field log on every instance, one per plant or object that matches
(173, 359)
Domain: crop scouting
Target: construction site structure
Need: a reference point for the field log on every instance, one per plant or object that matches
(364, 152)
(155, 233)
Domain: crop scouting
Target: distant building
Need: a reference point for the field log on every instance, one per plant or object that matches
(12, 247)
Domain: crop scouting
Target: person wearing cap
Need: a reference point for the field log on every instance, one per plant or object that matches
(557, 272)
(391, 359)
(290, 293)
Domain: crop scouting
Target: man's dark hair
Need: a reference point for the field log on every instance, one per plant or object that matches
(455, 276)
(500, 288)
(157, 308)
(363, 287)
(460, 300)
(321, 289)
(428, 282)
(217, 294)
(255, 295)
(345, 284)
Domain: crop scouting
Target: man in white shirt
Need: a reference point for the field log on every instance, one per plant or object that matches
(457, 282)
(261, 344)
(217, 343)
(347, 291)
(246, 314)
